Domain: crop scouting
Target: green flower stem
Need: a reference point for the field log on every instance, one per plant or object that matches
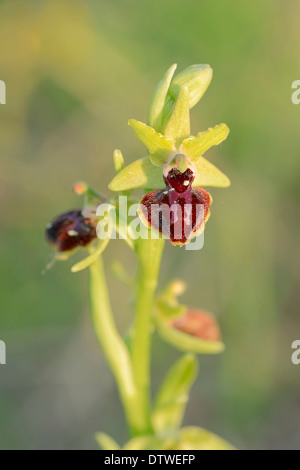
(113, 346)
(149, 253)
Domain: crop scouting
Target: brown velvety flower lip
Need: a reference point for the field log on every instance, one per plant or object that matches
(199, 324)
(70, 230)
(178, 211)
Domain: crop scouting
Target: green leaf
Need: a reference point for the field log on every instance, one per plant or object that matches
(178, 127)
(194, 438)
(196, 78)
(149, 443)
(173, 395)
(139, 174)
(194, 147)
(106, 442)
(159, 98)
(208, 174)
(159, 147)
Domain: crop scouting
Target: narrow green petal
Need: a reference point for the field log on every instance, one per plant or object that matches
(159, 147)
(158, 100)
(196, 78)
(118, 160)
(178, 127)
(208, 174)
(139, 174)
(86, 262)
(194, 147)
(106, 442)
(194, 438)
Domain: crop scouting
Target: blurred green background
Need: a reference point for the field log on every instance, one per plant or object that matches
(75, 72)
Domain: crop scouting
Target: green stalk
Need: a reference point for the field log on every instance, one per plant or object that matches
(149, 253)
(113, 346)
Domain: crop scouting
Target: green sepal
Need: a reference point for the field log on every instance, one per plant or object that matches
(196, 78)
(173, 395)
(160, 148)
(139, 174)
(178, 126)
(208, 174)
(187, 343)
(142, 174)
(158, 100)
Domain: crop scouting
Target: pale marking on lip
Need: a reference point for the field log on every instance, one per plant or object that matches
(72, 233)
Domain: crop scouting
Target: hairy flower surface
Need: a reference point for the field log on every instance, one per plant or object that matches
(178, 211)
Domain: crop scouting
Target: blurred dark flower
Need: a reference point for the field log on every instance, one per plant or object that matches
(70, 230)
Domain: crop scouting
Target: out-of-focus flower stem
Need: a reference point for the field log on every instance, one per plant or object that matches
(149, 252)
(114, 348)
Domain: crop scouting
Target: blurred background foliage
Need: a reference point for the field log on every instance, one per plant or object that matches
(75, 72)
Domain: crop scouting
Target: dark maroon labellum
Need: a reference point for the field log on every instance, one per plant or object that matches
(70, 230)
(179, 211)
(179, 181)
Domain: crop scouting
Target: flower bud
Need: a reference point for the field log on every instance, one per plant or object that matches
(199, 324)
